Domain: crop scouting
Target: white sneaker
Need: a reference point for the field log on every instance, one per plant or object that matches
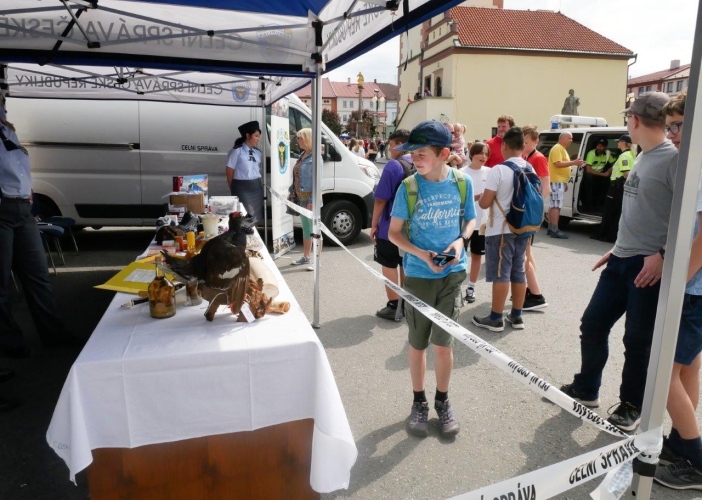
(311, 266)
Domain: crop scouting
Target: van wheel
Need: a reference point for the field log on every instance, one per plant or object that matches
(343, 218)
(45, 207)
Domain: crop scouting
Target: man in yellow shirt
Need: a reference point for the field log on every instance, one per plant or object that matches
(559, 164)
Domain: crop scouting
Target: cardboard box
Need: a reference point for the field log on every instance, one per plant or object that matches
(194, 201)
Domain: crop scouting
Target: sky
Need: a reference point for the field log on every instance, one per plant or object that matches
(646, 27)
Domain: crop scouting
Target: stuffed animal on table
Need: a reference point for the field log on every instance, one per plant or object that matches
(222, 270)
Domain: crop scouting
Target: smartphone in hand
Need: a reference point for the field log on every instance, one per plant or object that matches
(441, 259)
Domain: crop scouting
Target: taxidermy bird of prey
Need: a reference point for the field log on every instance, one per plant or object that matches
(223, 272)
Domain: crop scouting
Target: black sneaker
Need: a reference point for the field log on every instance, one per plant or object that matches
(494, 325)
(680, 475)
(532, 303)
(470, 295)
(448, 423)
(627, 416)
(569, 391)
(516, 321)
(667, 456)
(419, 419)
(387, 312)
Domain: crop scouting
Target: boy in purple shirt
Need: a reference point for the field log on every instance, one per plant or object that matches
(386, 253)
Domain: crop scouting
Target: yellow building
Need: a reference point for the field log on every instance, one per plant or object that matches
(477, 63)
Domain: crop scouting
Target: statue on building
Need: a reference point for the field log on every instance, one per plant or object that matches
(360, 80)
(570, 106)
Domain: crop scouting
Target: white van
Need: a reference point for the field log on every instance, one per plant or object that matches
(109, 163)
(584, 140)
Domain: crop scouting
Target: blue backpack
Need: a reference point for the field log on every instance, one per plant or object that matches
(526, 212)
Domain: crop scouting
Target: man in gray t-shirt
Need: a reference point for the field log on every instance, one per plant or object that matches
(630, 281)
(648, 193)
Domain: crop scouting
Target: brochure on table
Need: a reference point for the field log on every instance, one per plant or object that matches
(281, 179)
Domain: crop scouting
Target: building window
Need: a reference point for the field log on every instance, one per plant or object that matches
(649, 88)
(427, 84)
(344, 104)
(641, 90)
(670, 86)
(680, 85)
(345, 118)
(437, 87)
(326, 101)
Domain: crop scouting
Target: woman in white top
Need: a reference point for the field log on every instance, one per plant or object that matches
(244, 170)
(357, 148)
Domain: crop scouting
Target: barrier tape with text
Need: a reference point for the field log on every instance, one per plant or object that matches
(614, 459)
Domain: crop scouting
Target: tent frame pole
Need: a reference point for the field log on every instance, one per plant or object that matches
(264, 132)
(675, 267)
(317, 164)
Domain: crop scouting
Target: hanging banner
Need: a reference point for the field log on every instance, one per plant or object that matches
(281, 179)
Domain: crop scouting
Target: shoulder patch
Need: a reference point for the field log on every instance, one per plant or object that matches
(625, 163)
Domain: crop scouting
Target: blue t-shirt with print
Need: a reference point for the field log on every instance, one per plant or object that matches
(694, 286)
(435, 222)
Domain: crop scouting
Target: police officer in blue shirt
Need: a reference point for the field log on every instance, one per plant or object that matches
(244, 170)
(22, 250)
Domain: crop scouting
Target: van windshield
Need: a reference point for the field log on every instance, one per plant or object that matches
(549, 139)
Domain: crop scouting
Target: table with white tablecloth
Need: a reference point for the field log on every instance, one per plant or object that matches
(141, 381)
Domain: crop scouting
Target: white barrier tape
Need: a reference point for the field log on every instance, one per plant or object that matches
(490, 353)
(297, 208)
(613, 460)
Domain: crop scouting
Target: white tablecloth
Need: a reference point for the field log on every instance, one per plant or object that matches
(142, 381)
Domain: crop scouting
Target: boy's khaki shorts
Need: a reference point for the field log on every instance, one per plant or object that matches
(444, 295)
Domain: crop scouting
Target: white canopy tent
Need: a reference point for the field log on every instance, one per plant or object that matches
(97, 82)
(292, 38)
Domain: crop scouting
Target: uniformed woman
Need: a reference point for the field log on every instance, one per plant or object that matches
(244, 170)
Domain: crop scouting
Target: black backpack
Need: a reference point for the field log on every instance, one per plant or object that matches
(408, 167)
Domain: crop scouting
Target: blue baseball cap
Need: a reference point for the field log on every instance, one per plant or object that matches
(427, 133)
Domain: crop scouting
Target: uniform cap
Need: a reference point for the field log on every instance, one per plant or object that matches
(427, 133)
(602, 141)
(249, 128)
(625, 138)
(649, 105)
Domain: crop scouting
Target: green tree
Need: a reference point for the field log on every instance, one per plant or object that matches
(332, 120)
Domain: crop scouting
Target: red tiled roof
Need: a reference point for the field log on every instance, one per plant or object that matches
(345, 89)
(391, 91)
(657, 76)
(529, 29)
(327, 90)
(332, 90)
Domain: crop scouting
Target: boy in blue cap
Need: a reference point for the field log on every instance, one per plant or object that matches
(430, 217)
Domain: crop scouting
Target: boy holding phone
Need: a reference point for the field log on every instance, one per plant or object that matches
(437, 230)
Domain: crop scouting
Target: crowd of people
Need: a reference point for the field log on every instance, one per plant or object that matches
(439, 199)
(369, 148)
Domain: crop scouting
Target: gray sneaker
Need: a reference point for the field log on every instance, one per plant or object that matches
(448, 422)
(419, 419)
(494, 325)
(680, 475)
(301, 261)
(516, 321)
